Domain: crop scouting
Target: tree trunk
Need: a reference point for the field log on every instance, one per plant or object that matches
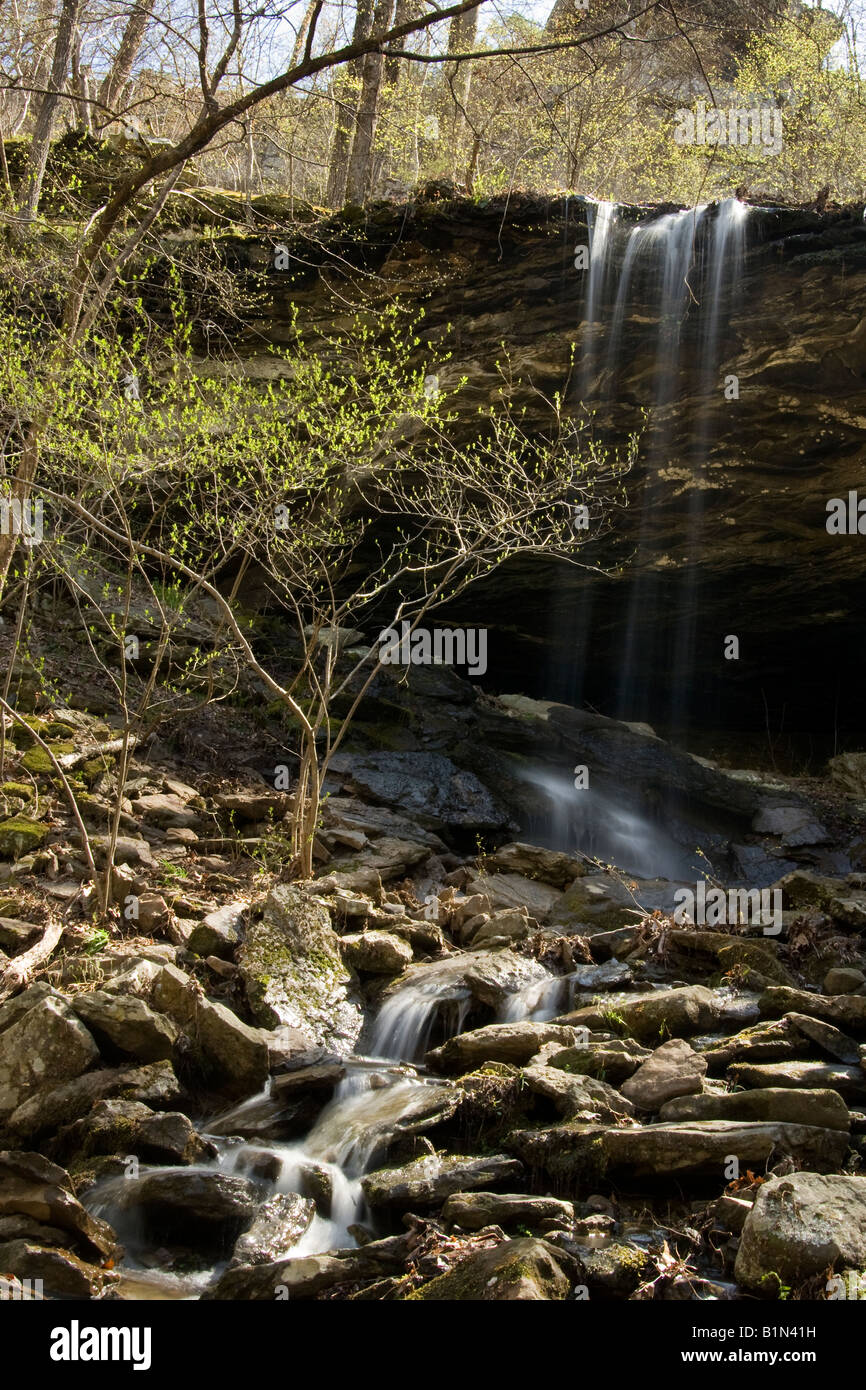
(345, 98)
(41, 142)
(130, 45)
(456, 79)
(361, 162)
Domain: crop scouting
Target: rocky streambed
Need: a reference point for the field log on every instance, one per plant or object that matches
(432, 1072)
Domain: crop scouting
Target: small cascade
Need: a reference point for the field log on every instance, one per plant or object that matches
(540, 1001)
(405, 1021)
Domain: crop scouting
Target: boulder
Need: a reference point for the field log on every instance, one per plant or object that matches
(498, 1042)
(154, 1085)
(294, 974)
(279, 1224)
(532, 861)
(218, 933)
(206, 1210)
(511, 924)
(653, 1017)
(674, 1069)
(366, 871)
(47, 1043)
(795, 1107)
(129, 1127)
(614, 974)
(15, 935)
(765, 1042)
(474, 1210)
(232, 1056)
(574, 1096)
(517, 1271)
(376, 952)
(612, 1061)
(427, 1181)
(850, 1082)
(306, 1277)
(826, 1037)
(127, 1024)
(848, 771)
(800, 1226)
(166, 809)
(61, 1274)
(31, 1186)
(427, 787)
(509, 890)
(839, 980)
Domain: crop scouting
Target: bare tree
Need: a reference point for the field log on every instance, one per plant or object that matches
(48, 106)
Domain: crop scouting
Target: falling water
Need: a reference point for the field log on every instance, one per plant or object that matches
(405, 1021)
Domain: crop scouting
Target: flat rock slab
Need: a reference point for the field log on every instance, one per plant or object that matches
(427, 787)
(498, 1042)
(428, 1181)
(846, 1011)
(789, 1106)
(800, 1226)
(677, 1013)
(850, 1082)
(586, 1153)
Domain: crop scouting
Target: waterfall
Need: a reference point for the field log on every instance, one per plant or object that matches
(674, 269)
(405, 1021)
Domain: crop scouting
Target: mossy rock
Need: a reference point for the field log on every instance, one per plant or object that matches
(19, 835)
(36, 759)
(523, 1270)
(22, 789)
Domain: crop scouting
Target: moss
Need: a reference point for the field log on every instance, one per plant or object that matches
(22, 789)
(19, 835)
(36, 759)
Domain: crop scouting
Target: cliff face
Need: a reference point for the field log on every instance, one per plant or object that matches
(726, 529)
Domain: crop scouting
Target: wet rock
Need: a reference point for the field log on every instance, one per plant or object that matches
(62, 1274)
(305, 1277)
(674, 1069)
(217, 934)
(794, 824)
(509, 890)
(294, 974)
(127, 1024)
(800, 1226)
(574, 1096)
(232, 1056)
(850, 1082)
(45, 1044)
(524, 1270)
(807, 1107)
(278, 1225)
(499, 1042)
(429, 1180)
(154, 1085)
(532, 861)
(839, 980)
(376, 952)
(31, 1186)
(426, 787)
(571, 1152)
(667, 1013)
(614, 974)
(474, 1210)
(826, 1037)
(207, 1211)
(320, 1077)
